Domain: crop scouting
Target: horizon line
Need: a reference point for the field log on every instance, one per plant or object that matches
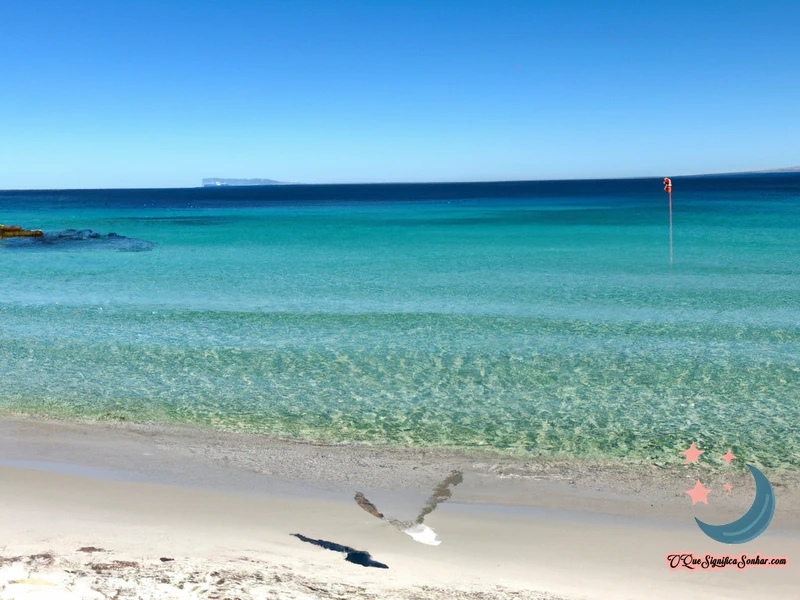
(281, 183)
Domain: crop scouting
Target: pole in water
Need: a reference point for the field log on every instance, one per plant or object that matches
(668, 189)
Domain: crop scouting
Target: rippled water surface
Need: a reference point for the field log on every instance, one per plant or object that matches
(539, 318)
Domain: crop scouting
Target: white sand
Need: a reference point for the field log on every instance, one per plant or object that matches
(233, 541)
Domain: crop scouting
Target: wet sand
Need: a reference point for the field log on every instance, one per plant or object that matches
(224, 507)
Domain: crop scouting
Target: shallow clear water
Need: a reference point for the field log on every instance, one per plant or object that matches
(537, 318)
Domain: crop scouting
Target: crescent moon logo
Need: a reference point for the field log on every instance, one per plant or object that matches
(753, 523)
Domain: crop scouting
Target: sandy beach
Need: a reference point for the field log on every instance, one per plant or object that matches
(98, 510)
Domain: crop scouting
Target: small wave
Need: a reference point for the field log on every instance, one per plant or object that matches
(78, 239)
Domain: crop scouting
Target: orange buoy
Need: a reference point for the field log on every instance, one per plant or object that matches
(667, 185)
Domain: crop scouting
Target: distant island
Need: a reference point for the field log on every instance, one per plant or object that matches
(219, 182)
(227, 182)
(785, 170)
(759, 172)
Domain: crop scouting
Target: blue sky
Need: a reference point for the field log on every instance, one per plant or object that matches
(164, 93)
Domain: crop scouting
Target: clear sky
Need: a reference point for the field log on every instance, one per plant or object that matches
(163, 93)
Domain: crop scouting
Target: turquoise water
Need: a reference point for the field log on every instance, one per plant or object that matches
(542, 320)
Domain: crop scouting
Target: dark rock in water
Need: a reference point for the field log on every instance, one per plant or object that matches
(79, 239)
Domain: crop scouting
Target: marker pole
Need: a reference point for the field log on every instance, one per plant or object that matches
(670, 226)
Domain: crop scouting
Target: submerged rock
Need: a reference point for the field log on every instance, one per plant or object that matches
(78, 239)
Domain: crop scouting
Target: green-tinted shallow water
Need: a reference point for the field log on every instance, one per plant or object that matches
(537, 325)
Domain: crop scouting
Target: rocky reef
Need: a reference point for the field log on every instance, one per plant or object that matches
(78, 239)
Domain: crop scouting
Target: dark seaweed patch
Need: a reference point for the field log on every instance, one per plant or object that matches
(77, 239)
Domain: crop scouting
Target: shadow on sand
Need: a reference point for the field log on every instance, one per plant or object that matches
(359, 557)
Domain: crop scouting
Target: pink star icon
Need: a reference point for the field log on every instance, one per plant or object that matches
(728, 457)
(698, 493)
(728, 487)
(692, 454)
